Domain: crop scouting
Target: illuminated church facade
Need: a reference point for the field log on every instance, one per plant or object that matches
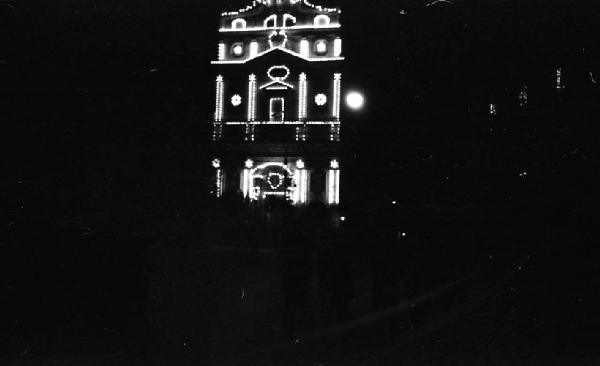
(276, 128)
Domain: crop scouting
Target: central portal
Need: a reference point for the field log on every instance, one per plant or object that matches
(276, 181)
(273, 182)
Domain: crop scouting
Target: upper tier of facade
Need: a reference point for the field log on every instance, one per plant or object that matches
(304, 30)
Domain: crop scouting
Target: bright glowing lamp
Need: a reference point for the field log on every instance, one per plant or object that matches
(355, 100)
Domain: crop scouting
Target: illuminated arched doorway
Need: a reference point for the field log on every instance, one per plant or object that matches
(276, 181)
(273, 181)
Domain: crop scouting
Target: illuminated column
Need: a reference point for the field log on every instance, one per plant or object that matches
(337, 92)
(333, 183)
(301, 179)
(304, 190)
(251, 107)
(304, 48)
(219, 98)
(337, 47)
(219, 182)
(302, 97)
(248, 180)
(253, 49)
(251, 97)
(221, 51)
(216, 163)
(559, 79)
(217, 126)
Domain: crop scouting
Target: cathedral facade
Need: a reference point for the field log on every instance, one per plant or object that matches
(278, 79)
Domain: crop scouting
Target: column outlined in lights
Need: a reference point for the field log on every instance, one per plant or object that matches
(333, 183)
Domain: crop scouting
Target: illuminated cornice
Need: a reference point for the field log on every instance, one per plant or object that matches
(293, 27)
(291, 123)
(256, 3)
(295, 54)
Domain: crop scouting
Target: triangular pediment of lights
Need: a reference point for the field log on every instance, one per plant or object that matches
(277, 85)
(279, 51)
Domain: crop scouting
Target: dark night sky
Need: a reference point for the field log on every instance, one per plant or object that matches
(107, 98)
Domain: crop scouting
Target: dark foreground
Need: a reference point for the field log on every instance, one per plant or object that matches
(371, 292)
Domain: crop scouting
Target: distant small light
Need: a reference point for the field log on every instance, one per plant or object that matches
(523, 96)
(343, 218)
(355, 100)
(394, 203)
(216, 163)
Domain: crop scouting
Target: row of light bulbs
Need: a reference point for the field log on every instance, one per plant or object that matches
(321, 47)
(300, 164)
(256, 3)
(320, 100)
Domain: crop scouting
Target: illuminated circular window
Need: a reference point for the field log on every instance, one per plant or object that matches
(321, 47)
(237, 49)
(321, 99)
(236, 100)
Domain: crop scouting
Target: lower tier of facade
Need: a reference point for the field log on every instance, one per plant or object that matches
(278, 172)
